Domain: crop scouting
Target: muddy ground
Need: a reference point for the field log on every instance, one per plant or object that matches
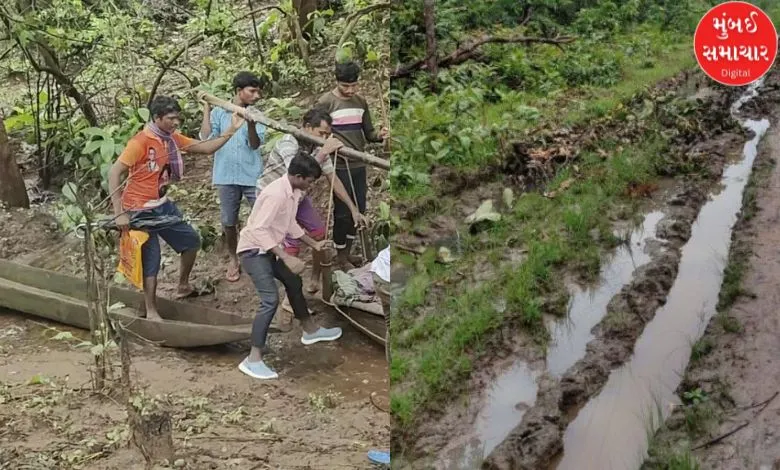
(319, 414)
(738, 369)
(538, 439)
(536, 442)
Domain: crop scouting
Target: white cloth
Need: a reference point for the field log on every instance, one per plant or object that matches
(381, 265)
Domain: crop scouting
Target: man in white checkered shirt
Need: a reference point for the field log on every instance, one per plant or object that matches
(316, 122)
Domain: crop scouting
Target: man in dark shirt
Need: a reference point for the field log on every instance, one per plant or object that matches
(352, 125)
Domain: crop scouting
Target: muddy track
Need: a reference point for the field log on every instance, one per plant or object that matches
(705, 143)
(539, 438)
(740, 367)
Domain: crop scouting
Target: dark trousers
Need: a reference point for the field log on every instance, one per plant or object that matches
(343, 225)
(263, 269)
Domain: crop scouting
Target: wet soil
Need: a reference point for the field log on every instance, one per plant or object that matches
(741, 369)
(318, 415)
(326, 410)
(449, 435)
(538, 439)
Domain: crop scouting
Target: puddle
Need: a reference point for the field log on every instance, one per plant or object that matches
(514, 391)
(613, 430)
(505, 404)
(588, 306)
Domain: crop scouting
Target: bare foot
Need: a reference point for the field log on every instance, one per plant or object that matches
(184, 291)
(153, 315)
(233, 272)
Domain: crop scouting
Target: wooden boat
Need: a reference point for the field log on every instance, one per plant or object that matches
(63, 298)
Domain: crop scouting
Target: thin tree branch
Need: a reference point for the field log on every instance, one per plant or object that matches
(7, 51)
(471, 50)
(354, 17)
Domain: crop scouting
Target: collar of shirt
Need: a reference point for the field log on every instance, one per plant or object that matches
(289, 191)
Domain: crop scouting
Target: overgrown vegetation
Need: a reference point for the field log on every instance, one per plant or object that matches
(512, 101)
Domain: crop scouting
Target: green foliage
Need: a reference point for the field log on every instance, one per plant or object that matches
(459, 126)
(114, 53)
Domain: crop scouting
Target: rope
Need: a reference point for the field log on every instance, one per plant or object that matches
(330, 199)
(354, 199)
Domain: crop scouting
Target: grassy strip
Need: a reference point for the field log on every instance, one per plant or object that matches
(433, 352)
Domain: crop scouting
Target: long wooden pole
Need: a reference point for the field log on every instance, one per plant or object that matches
(257, 116)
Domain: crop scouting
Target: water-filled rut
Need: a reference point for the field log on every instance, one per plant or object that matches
(514, 390)
(612, 431)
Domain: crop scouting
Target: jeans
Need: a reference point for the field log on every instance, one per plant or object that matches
(343, 225)
(263, 269)
(230, 196)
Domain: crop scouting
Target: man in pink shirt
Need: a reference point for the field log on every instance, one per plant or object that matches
(264, 259)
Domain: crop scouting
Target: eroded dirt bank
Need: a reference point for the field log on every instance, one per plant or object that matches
(734, 377)
(539, 438)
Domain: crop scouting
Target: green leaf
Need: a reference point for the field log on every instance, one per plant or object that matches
(39, 379)
(70, 191)
(92, 131)
(107, 150)
(97, 350)
(484, 212)
(18, 121)
(384, 210)
(91, 146)
(63, 335)
(372, 56)
(144, 113)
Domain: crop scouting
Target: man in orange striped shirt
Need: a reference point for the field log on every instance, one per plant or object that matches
(153, 159)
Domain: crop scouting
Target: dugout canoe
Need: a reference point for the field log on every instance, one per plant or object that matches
(63, 298)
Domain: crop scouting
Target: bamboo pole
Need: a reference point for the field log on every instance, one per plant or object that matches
(256, 115)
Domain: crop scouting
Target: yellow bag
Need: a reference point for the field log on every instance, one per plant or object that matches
(130, 264)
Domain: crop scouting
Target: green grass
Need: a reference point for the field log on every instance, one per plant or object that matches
(433, 352)
(460, 128)
(701, 348)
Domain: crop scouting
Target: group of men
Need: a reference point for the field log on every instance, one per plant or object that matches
(282, 217)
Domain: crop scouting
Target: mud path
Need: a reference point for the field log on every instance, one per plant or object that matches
(741, 368)
(540, 437)
(317, 415)
(518, 400)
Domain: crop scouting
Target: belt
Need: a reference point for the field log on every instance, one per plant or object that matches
(252, 252)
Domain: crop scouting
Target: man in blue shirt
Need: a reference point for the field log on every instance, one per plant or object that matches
(238, 164)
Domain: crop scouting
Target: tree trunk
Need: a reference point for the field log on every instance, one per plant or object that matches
(431, 55)
(13, 192)
(304, 8)
(152, 432)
